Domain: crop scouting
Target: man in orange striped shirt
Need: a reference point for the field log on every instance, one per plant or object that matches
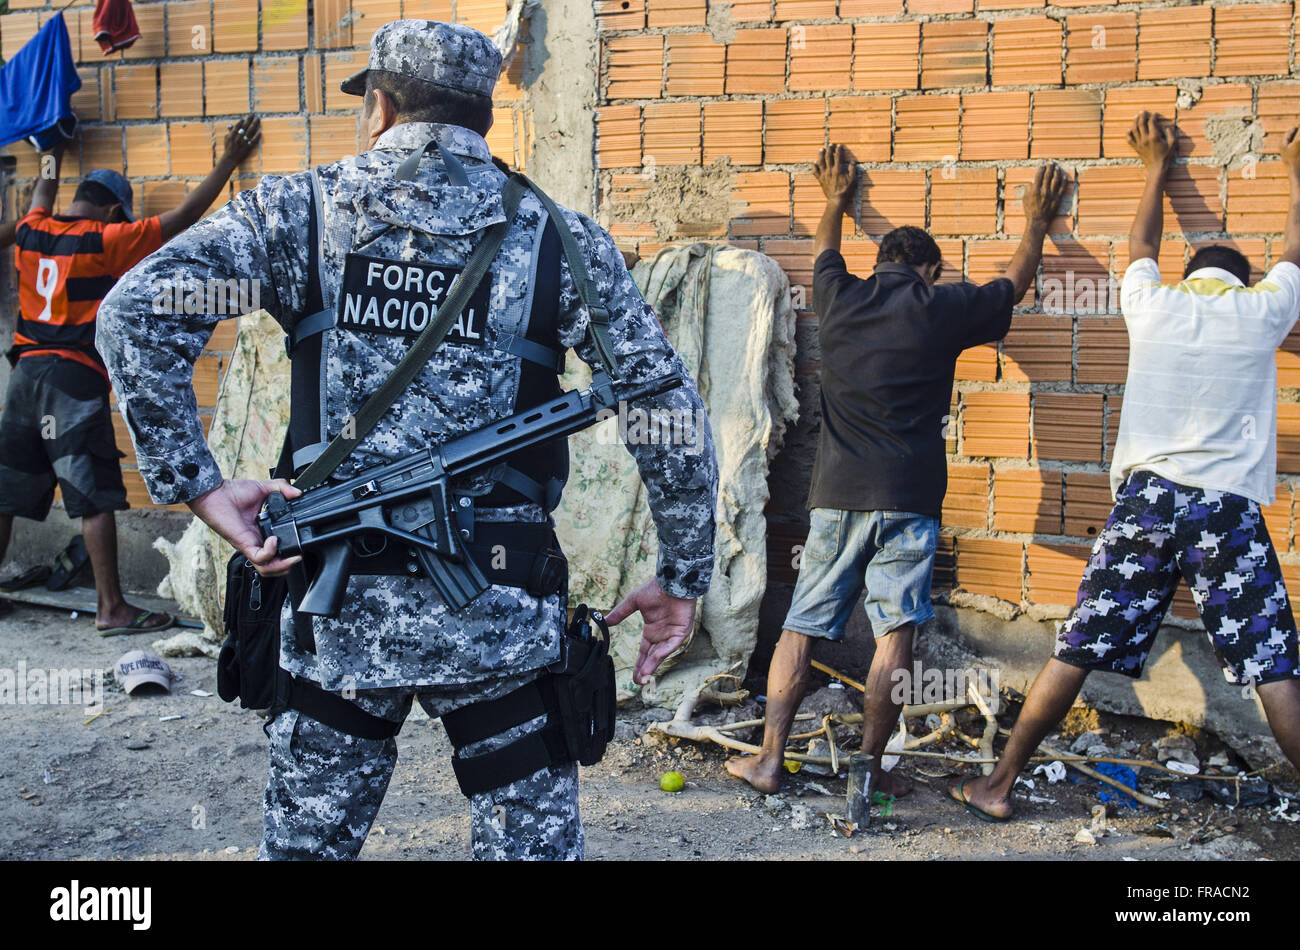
(56, 427)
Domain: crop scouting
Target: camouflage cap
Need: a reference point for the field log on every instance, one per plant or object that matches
(445, 54)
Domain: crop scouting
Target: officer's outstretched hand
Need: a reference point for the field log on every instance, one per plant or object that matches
(668, 621)
(231, 510)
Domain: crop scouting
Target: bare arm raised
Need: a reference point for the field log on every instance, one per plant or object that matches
(837, 173)
(240, 141)
(1041, 200)
(1152, 137)
(1291, 160)
(44, 192)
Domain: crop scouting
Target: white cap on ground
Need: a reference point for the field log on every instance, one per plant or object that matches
(137, 667)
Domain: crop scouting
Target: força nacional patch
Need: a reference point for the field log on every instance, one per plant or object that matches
(401, 298)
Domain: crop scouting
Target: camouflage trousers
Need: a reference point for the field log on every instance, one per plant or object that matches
(325, 786)
(1161, 532)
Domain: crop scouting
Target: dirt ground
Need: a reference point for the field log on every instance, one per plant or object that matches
(191, 788)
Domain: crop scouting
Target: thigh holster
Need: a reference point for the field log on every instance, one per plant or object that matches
(577, 697)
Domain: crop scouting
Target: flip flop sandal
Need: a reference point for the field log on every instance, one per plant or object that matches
(975, 810)
(28, 578)
(69, 565)
(139, 625)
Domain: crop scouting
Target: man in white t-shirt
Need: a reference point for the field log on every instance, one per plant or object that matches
(1194, 461)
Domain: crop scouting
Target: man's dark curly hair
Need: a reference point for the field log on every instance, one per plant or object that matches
(1222, 257)
(909, 245)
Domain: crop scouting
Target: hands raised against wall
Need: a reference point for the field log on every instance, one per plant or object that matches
(1042, 198)
(1152, 137)
(837, 173)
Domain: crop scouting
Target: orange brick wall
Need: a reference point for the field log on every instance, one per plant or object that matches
(158, 111)
(950, 105)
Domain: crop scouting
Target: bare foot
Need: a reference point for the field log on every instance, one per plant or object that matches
(757, 771)
(976, 792)
(891, 783)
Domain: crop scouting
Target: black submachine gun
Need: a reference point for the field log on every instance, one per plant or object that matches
(410, 500)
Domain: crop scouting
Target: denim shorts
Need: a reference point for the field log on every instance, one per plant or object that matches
(890, 553)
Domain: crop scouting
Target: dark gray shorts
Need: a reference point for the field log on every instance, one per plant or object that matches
(56, 429)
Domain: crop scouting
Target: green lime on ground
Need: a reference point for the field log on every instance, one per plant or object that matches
(672, 782)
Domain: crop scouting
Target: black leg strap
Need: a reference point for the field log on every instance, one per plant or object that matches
(317, 322)
(306, 455)
(336, 712)
(549, 357)
(517, 481)
(480, 721)
(528, 754)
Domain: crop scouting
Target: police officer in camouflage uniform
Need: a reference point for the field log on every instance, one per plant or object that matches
(395, 640)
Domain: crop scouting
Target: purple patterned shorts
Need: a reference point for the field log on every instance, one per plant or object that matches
(1158, 532)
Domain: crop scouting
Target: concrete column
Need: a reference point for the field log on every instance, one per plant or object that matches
(560, 76)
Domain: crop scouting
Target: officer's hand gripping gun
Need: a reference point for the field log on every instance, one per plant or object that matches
(410, 500)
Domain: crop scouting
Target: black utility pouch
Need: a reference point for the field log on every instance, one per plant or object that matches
(248, 668)
(584, 688)
(550, 574)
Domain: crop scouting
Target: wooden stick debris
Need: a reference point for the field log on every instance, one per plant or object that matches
(684, 729)
(846, 719)
(754, 723)
(990, 723)
(946, 725)
(681, 727)
(839, 676)
(830, 741)
(920, 710)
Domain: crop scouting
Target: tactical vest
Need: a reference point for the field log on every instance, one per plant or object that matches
(515, 554)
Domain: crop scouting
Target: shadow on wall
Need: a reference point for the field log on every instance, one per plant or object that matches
(536, 29)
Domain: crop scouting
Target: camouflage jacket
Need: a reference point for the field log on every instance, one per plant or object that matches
(396, 630)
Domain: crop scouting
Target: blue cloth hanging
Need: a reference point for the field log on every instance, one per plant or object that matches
(36, 88)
